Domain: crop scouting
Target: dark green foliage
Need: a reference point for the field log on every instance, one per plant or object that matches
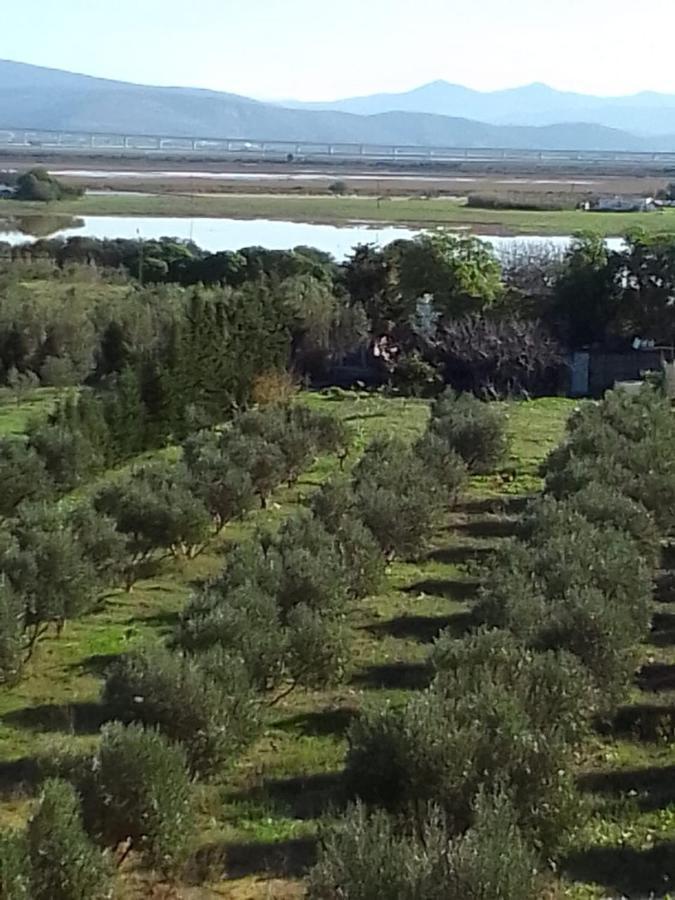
(487, 723)
(144, 794)
(278, 605)
(101, 543)
(47, 567)
(583, 589)
(37, 185)
(624, 443)
(12, 638)
(125, 416)
(334, 505)
(23, 476)
(68, 456)
(475, 430)
(64, 863)
(552, 686)
(14, 867)
(369, 857)
(244, 621)
(211, 713)
(318, 649)
(397, 497)
(225, 488)
(603, 505)
(447, 466)
(155, 510)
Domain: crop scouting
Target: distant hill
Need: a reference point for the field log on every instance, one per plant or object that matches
(35, 97)
(647, 113)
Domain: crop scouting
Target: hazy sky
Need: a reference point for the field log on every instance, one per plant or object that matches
(320, 49)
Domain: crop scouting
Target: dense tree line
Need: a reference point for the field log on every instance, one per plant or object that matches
(439, 309)
(468, 790)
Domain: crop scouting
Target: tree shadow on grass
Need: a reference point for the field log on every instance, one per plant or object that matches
(424, 629)
(631, 873)
(651, 788)
(492, 528)
(656, 677)
(647, 722)
(98, 664)
(303, 798)
(450, 588)
(19, 777)
(398, 676)
(328, 722)
(460, 555)
(68, 718)
(277, 859)
(663, 630)
(494, 506)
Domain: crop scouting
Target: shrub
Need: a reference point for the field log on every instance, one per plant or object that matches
(574, 587)
(475, 430)
(14, 867)
(155, 510)
(64, 863)
(23, 476)
(368, 857)
(397, 498)
(145, 794)
(604, 506)
(226, 490)
(447, 466)
(47, 568)
(478, 729)
(212, 717)
(245, 622)
(12, 639)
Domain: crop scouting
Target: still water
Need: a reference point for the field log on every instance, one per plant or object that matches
(231, 234)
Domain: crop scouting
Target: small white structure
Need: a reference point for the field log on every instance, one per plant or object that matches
(623, 204)
(6, 190)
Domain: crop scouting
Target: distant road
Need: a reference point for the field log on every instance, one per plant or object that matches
(20, 140)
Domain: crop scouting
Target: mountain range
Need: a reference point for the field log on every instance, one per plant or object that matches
(440, 114)
(647, 113)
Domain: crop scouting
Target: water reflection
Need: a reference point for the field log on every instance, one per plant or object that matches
(231, 234)
(38, 226)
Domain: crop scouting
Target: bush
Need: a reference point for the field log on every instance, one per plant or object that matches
(473, 429)
(397, 498)
(368, 857)
(603, 506)
(12, 638)
(447, 467)
(64, 863)
(46, 566)
(212, 717)
(573, 587)
(14, 867)
(245, 622)
(485, 725)
(23, 477)
(145, 794)
(155, 510)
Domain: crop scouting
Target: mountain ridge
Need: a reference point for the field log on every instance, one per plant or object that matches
(34, 97)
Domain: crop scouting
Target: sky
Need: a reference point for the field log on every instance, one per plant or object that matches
(328, 49)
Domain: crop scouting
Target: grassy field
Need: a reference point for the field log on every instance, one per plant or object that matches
(258, 824)
(346, 210)
(15, 413)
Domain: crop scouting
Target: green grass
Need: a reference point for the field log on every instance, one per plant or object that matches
(15, 414)
(347, 210)
(258, 822)
(264, 814)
